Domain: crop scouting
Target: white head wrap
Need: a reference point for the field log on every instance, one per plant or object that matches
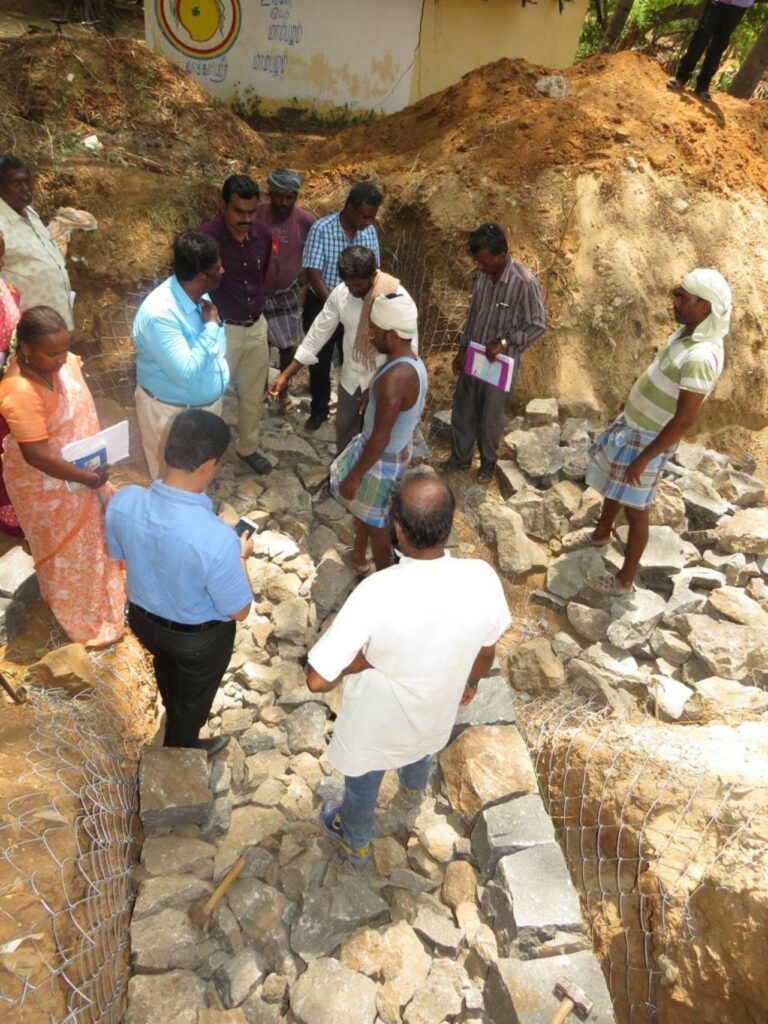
(398, 313)
(712, 286)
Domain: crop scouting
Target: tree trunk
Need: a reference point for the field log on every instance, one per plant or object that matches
(617, 23)
(752, 70)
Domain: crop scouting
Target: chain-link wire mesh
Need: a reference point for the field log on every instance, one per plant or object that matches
(69, 836)
(644, 822)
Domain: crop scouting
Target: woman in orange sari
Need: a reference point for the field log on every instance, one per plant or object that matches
(47, 404)
(10, 313)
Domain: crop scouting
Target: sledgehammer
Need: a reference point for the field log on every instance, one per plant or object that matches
(201, 916)
(573, 1000)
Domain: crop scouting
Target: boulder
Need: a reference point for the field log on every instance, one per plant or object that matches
(591, 623)
(441, 997)
(158, 940)
(541, 411)
(459, 883)
(517, 555)
(568, 573)
(285, 494)
(277, 546)
(305, 729)
(522, 990)
(438, 932)
(668, 645)
(588, 511)
(511, 478)
(533, 667)
(177, 855)
(238, 976)
(668, 509)
(740, 489)
(746, 530)
(729, 650)
(67, 668)
(258, 908)
(177, 892)
(669, 695)
(537, 451)
(291, 619)
(332, 584)
(702, 502)
(484, 765)
(328, 916)
(493, 704)
(327, 993)
(634, 618)
(735, 605)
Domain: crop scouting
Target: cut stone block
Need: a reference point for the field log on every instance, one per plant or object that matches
(177, 996)
(531, 897)
(178, 855)
(173, 787)
(541, 411)
(438, 932)
(522, 991)
(506, 828)
(493, 705)
(328, 916)
(156, 940)
(18, 580)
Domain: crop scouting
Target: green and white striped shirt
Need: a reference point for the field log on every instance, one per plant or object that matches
(681, 365)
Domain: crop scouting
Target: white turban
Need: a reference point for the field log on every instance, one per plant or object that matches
(712, 286)
(396, 312)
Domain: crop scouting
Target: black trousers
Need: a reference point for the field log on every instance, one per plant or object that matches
(188, 669)
(320, 373)
(712, 33)
(478, 416)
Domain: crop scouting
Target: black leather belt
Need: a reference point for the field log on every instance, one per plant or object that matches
(176, 405)
(244, 323)
(175, 627)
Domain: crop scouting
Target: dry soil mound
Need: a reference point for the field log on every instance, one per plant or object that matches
(610, 195)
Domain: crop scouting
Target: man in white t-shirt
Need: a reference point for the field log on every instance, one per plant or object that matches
(411, 642)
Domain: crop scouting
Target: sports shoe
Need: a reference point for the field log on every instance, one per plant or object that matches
(256, 462)
(314, 422)
(411, 796)
(330, 819)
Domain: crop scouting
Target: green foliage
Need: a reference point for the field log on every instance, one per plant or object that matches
(591, 37)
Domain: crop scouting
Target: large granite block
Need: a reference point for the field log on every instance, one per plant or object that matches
(493, 705)
(523, 991)
(506, 828)
(173, 787)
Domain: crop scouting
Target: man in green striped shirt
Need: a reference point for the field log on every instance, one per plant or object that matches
(628, 459)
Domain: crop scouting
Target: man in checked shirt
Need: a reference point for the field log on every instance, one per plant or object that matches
(506, 314)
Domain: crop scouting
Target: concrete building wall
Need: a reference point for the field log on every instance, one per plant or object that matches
(360, 53)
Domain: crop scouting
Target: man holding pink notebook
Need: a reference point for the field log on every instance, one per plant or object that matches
(506, 315)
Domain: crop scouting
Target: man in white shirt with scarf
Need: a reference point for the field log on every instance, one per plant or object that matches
(349, 304)
(412, 643)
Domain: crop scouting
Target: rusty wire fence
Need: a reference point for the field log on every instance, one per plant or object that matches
(653, 837)
(69, 836)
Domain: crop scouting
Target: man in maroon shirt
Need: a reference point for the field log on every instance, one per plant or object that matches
(246, 250)
(290, 226)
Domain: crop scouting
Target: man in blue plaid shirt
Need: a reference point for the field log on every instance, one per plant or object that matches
(327, 238)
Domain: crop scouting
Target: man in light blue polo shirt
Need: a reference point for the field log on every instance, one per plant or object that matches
(327, 239)
(180, 345)
(187, 584)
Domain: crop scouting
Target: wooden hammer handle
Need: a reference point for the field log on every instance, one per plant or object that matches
(564, 1010)
(223, 885)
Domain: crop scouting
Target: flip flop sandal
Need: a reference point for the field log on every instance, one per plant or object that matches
(360, 570)
(583, 537)
(609, 585)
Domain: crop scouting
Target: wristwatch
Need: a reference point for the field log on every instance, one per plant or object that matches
(504, 342)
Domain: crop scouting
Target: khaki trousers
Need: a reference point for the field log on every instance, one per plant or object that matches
(155, 420)
(248, 358)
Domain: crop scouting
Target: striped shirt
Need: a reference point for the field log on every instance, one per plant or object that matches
(511, 308)
(326, 241)
(682, 364)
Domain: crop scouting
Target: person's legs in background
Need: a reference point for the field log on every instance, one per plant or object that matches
(349, 422)
(728, 18)
(251, 372)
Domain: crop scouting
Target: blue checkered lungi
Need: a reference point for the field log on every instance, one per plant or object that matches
(371, 504)
(612, 453)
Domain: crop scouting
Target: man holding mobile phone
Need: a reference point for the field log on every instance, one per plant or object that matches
(187, 583)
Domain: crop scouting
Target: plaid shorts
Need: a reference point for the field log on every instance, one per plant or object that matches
(371, 504)
(611, 454)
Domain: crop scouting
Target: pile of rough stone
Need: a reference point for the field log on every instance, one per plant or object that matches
(691, 640)
(465, 912)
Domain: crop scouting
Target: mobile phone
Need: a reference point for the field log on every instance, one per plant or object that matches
(245, 526)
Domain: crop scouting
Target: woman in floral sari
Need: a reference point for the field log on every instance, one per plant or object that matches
(10, 311)
(46, 404)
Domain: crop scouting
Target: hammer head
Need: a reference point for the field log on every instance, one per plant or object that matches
(199, 917)
(582, 1005)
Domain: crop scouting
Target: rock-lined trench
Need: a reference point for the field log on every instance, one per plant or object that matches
(466, 911)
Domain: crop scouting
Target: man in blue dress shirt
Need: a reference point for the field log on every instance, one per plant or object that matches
(180, 345)
(327, 239)
(187, 583)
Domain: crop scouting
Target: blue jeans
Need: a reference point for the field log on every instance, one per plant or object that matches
(358, 808)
